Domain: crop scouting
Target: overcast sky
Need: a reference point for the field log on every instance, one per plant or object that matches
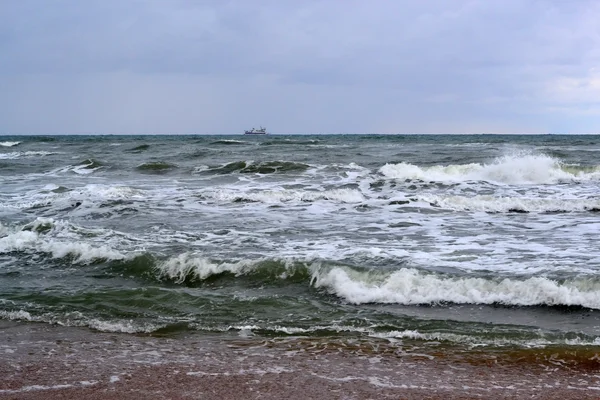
(377, 66)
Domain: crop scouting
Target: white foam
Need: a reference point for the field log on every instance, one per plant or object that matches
(232, 141)
(513, 169)
(92, 193)
(69, 243)
(78, 319)
(122, 326)
(504, 204)
(16, 315)
(112, 192)
(84, 169)
(476, 340)
(9, 144)
(284, 195)
(19, 154)
(410, 286)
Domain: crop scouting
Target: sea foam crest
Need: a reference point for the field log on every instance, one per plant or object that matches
(410, 286)
(9, 144)
(189, 266)
(511, 169)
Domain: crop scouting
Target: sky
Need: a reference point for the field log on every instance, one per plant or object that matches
(329, 66)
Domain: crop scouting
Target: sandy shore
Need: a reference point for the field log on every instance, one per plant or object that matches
(50, 362)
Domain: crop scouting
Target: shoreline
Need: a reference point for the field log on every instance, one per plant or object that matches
(40, 361)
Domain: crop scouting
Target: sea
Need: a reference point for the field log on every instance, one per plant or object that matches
(480, 241)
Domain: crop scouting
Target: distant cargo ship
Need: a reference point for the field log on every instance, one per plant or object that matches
(261, 131)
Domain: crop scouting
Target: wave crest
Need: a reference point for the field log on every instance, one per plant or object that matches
(59, 239)
(188, 267)
(513, 169)
(410, 286)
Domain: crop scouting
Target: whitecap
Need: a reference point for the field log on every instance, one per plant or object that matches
(511, 169)
(411, 286)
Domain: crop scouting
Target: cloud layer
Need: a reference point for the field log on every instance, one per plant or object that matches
(299, 67)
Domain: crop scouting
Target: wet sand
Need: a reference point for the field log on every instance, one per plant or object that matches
(39, 361)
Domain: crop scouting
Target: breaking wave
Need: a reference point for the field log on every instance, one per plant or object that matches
(410, 286)
(9, 144)
(514, 169)
(190, 268)
(59, 240)
(85, 167)
(407, 286)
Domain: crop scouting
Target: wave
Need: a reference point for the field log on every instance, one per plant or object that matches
(409, 286)
(9, 144)
(156, 167)
(119, 325)
(87, 167)
(494, 204)
(80, 320)
(514, 169)
(19, 154)
(279, 196)
(480, 340)
(58, 239)
(229, 142)
(138, 149)
(188, 268)
(268, 167)
(290, 142)
(91, 197)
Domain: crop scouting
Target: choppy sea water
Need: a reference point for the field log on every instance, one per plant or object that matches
(481, 240)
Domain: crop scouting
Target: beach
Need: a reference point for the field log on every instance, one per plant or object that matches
(52, 362)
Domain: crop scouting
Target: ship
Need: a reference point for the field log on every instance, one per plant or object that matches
(261, 131)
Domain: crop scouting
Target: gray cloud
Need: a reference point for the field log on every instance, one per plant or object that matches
(313, 66)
